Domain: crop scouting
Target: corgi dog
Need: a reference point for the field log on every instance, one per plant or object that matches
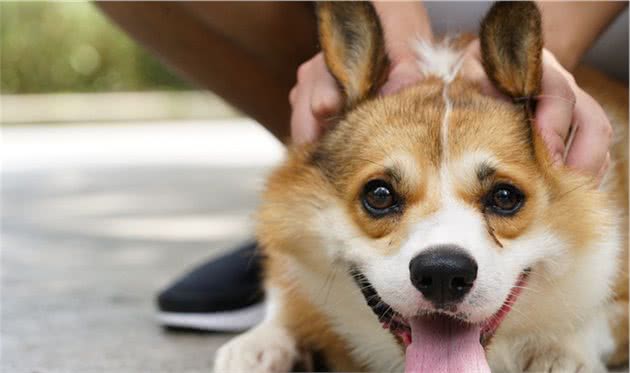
(430, 231)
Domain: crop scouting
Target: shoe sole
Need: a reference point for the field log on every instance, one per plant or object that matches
(228, 321)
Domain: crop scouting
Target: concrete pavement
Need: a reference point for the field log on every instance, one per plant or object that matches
(97, 218)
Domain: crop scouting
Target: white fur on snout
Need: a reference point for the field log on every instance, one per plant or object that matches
(455, 224)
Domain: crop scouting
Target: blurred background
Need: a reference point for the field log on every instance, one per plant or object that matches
(116, 177)
(53, 50)
(71, 47)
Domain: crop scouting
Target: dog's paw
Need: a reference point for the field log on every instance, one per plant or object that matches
(267, 348)
(558, 361)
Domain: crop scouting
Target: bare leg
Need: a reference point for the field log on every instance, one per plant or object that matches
(246, 52)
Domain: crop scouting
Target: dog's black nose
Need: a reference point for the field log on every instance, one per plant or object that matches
(443, 274)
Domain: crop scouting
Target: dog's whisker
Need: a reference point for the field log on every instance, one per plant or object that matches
(528, 288)
(332, 281)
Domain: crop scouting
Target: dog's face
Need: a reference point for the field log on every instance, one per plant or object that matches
(445, 199)
(416, 180)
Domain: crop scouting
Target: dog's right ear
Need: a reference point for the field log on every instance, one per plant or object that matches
(353, 44)
(511, 48)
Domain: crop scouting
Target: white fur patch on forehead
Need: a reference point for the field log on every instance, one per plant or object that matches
(439, 59)
(443, 61)
(468, 163)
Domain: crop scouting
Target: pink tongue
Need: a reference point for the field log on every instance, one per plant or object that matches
(443, 345)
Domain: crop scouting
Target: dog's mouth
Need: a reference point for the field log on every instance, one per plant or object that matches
(437, 338)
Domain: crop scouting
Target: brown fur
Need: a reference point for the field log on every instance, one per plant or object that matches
(614, 98)
(309, 326)
(511, 46)
(352, 37)
(360, 145)
(278, 235)
(397, 138)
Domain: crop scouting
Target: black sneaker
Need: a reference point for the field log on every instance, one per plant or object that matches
(223, 294)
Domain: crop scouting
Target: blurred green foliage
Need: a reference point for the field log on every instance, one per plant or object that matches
(72, 47)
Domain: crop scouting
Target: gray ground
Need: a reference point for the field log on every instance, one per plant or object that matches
(78, 292)
(85, 248)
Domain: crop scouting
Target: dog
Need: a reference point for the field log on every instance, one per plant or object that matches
(430, 231)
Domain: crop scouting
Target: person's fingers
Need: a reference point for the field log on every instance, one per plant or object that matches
(315, 99)
(293, 95)
(303, 124)
(561, 107)
(401, 76)
(326, 98)
(591, 142)
(555, 108)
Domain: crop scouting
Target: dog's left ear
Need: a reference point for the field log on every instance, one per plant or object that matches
(511, 48)
(354, 49)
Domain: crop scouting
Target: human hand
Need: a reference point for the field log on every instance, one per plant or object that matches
(572, 124)
(316, 99)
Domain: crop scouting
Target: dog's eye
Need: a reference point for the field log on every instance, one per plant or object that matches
(504, 199)
(379, 198)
